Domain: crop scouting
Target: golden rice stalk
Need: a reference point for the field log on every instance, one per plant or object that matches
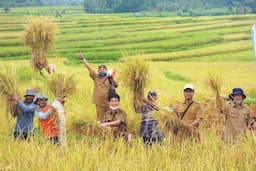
(39, 35)
(36, 86)
(136, 77)
(60, 121)
(9, 88)
(62, 85)
(167, 121)
(86, 127)
(39, 60)
(214, 81)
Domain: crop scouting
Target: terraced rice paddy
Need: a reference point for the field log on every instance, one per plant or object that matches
(104, 37)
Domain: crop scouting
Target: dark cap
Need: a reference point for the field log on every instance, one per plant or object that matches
(152, 93)
(102, 66)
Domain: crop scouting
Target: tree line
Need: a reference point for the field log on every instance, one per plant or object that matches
(181, 7)
(19, 3)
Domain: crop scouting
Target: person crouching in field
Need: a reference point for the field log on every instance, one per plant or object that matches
(103, 86)
(115, 118)
(237, 116)
(24, 123)
(47, 119)
(190, 112)
(149, 130)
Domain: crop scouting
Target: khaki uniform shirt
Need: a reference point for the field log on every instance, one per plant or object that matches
(236, 121)
(194, 112)
(101, 89)
(115, 115)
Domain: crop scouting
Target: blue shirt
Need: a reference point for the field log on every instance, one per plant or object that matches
(24, 122)
(149, 125)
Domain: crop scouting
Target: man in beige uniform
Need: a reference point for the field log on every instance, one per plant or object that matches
(115, 118)
(190, 113)
(237, 116)
(102, 84)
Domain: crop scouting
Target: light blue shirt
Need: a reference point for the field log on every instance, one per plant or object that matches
(24, 122)
(42, 115)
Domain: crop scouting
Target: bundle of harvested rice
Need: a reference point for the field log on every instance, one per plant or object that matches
(136, 77)
(62, 85)
(9, 88)
(38, 60)
(214, 81)
(86, 127)
(39, 35)
(168, 121)
(36, 86)
(61, 121)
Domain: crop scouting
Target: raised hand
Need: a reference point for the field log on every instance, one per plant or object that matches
(80, 55)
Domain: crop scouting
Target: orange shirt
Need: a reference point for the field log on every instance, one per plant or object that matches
(49, 125)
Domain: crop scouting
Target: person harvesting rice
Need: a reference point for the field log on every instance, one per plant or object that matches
(103, 84)
(149, 130)
(237, 116)
(47, 119)
(190, 112)
(62, 86)
(24, 123)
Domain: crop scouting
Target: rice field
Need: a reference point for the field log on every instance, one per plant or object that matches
(102, 37)
(178, 49)
(86, 152)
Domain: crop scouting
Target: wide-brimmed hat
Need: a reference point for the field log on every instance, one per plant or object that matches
(30, 92)
(40, 96)
(236, 91)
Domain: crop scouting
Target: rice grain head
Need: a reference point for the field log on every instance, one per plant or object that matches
(136, 72)
(62, 85)
(214, 81)
(39, 35)
(8, 88)
(167, 121)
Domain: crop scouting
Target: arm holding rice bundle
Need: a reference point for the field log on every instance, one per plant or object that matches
(26, 108)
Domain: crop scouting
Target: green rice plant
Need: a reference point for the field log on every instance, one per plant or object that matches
(212, 50)
(175, 77)
(9, 51)
(243, 55)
